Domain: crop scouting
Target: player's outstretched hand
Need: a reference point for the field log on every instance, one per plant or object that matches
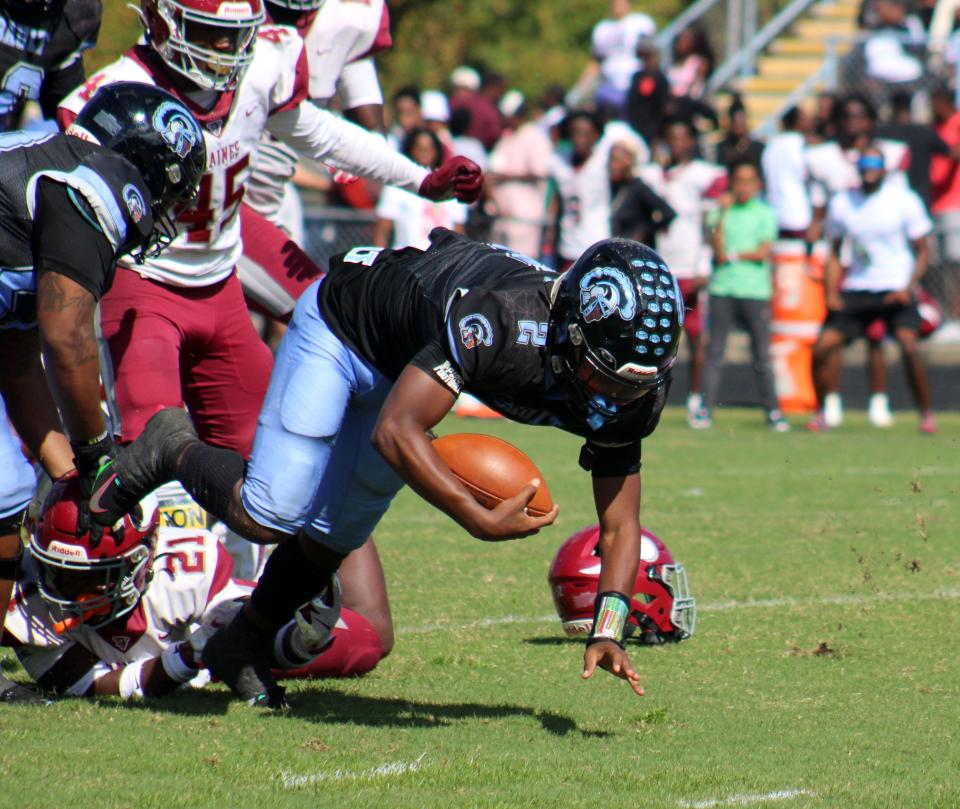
(510, 519)
(457, 177)
(609, 656)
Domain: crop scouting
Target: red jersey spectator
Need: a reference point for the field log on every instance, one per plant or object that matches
(486, 123)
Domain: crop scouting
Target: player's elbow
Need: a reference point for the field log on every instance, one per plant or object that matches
(386, 438)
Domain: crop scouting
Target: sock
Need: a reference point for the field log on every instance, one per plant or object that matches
(289, 579)
(694, 402)
(879, 401)
(355, 650)
(210, 474)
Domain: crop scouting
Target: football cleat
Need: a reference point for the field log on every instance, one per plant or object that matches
(16, 694)
(240, 655)
(145, 464)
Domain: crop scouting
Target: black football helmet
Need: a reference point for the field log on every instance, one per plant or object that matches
(160, 137)
(614, 329)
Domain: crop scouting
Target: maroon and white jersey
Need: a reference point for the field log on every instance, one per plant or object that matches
(831, 168)
(270, 97)
(191, 584)
(339, 42)
(691, 189)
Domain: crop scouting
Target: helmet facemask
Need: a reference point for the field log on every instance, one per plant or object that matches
(212, 51)
(93, 592)
(614, 327)
(299, 6)
(91, 577)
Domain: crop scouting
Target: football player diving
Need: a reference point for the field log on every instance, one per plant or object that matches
(376, 355)
(69, 206)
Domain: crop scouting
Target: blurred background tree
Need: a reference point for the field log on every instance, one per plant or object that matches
(533, 43)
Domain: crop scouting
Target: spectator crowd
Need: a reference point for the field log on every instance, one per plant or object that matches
(636, 150)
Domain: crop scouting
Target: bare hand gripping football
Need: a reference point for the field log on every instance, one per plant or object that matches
(496, 473)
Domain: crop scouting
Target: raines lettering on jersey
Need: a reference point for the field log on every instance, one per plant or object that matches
(135, 202)
(449, 375)
(475, 330)
(66, 551)
(605, 291)
(79, 132)
(223, 155)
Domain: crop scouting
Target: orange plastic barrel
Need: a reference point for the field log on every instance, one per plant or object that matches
(798, 310)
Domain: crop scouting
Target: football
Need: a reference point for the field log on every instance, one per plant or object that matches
(492, 469)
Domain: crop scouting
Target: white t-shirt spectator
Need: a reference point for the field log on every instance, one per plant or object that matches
(414, 217)
(691, 189)
(585, 202)
(831, 169)
(785, 177)
(879, 228)
(886, 59)
(614, 47)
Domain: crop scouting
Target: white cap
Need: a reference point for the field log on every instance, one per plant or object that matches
(511, 102)
(465, 77)
(553, 117)
(434, 106)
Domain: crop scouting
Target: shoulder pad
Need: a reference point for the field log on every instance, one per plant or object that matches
(83, 18)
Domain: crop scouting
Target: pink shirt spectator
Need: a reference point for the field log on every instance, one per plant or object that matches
(523, 154)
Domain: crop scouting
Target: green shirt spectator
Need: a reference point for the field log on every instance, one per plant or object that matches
(746, 227)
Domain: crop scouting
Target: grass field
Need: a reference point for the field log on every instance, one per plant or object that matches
(824, 671)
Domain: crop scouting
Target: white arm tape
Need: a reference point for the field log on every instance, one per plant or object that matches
(130, 686)
(175, 666)
(82, 686)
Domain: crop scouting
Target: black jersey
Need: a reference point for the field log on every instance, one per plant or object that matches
(475, 317)
(41, 54)
(67, 205)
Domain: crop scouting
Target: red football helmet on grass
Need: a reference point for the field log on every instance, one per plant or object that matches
(91, 578)
(661, 607)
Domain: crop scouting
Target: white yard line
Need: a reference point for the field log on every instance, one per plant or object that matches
(291, 780)
(717, 606)
(746, 800)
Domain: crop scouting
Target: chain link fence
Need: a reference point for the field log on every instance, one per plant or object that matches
(332, 230)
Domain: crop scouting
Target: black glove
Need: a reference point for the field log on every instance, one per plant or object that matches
(101, 505)
(90, 457)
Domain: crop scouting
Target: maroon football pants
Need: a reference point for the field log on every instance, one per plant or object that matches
(195, 346)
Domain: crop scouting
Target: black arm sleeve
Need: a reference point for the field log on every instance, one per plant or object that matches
(67, 240)
(58, 85)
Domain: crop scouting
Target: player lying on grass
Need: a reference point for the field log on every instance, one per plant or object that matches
(375, 356)
(68, 208)
(128, 613)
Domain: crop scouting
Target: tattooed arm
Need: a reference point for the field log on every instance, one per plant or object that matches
(30, 406)
(66, 311)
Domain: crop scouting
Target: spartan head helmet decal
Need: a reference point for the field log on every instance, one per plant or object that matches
(605, 291)
(179, 132)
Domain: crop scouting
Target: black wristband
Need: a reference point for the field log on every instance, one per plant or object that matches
(87, 455)
(10, 566)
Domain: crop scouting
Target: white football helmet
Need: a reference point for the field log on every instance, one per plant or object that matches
(210, 42)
